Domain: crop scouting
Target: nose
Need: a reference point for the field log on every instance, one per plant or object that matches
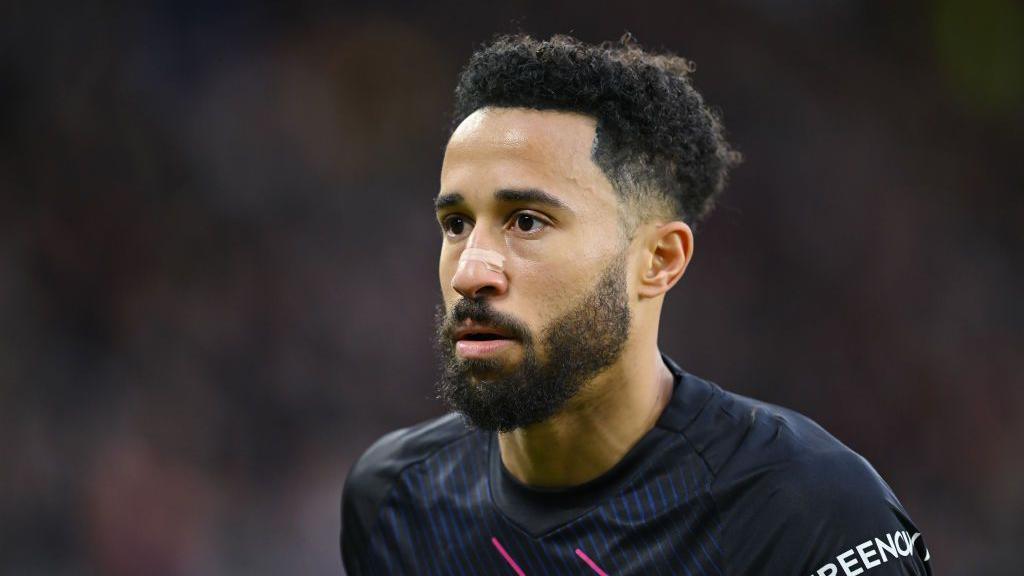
(480, 272)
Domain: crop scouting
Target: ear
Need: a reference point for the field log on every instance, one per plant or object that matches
(668, 250)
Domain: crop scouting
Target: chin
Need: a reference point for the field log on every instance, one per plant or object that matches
(483, 370)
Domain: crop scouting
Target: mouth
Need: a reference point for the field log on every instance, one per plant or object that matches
(474, 332)
(482, 337)
(476, 341)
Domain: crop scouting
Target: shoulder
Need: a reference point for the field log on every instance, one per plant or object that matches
(793, 498)
(786, 453)
(376, 472)
(383, 462)
(732, 432)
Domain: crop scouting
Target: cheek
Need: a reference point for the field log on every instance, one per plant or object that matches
(547, 289)
(445, 273)
(568, 266)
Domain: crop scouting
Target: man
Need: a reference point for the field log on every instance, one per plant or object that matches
(570, 188)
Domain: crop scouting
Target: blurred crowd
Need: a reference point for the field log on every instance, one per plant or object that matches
(218, 258)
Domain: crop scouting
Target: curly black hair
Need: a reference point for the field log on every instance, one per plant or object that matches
(658, 143)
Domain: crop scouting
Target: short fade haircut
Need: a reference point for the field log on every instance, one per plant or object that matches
(657, 142)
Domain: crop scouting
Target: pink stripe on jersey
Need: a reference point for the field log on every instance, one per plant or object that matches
(511, 562)
(591, 563)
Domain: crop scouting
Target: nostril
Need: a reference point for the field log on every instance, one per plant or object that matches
(485, 291)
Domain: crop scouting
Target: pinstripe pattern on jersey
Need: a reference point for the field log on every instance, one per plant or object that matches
(440, 519)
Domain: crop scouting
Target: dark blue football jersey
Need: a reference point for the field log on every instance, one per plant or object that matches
(721, 485)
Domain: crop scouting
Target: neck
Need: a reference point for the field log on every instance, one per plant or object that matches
(607, 418)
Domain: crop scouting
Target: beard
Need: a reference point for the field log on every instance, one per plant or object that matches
(496, 395)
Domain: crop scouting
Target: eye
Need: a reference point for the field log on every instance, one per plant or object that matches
(454, 225)
(529, 223)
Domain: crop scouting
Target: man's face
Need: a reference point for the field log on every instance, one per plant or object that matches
(521, 183)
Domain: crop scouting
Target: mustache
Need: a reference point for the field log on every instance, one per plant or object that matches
(481, 312)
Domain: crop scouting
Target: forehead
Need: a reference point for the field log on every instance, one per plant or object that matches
(518, 147)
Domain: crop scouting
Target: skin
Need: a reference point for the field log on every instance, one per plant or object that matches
(551, 261)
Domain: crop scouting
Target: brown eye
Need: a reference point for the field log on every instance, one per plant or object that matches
(457, 224)
(528, 223)
(454, 225)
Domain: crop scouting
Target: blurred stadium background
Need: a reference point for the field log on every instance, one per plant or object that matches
(218, 257)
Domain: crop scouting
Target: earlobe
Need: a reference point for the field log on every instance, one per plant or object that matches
(669, 250)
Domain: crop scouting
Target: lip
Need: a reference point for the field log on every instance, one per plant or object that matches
(467, 348)
(481, 348)
(474, 328)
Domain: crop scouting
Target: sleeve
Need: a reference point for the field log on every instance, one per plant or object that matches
(826, 515)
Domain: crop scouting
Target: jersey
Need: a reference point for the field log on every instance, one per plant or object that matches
(721, 485)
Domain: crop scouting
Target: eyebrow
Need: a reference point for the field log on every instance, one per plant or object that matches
(506, 196)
